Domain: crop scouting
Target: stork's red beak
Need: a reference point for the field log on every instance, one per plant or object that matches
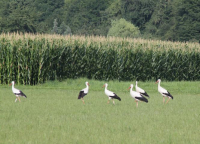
(88, 84)
(103, 86)
(128, 88)
(156, 82)
(10, 84)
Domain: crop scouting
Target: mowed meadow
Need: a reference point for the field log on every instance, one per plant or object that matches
(53, 114)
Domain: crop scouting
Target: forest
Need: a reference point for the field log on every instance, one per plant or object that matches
(171, 20)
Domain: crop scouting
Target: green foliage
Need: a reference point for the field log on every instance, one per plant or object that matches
(64, 29)
(175, 20)
(122, 28)
(49, 10)
(84, 17)
(114, 10)
(18, 17)
(138, 12)
(188, 20)
(162, 22)
(156, 19)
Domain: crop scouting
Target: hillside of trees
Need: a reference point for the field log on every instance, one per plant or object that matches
(173, 20)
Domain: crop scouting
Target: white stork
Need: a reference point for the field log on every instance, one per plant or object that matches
(83, 92)
(137, 96)
(110, 94)
(17, 92)
(141, 91)
(164, 92)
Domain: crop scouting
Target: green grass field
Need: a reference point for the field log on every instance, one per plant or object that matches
(52, 114)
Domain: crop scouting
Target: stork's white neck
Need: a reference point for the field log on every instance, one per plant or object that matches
(13, 87)
(158, 84)
(106, 87)
(131, 89)
(87, 86)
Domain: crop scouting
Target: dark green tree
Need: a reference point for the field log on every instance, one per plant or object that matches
(139, 12)
(49, 10)
(19, 16)
(162, 22)
(188, 20)
(84, 17)
(175, 20)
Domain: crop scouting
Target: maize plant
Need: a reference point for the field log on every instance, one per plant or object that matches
(32, 59)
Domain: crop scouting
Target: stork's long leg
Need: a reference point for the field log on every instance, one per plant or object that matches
(19, 99)
(163, 100)
(16, 99)
(83, 100)
(168, 100)
(108, 102)
(136, 103)
(113, 101)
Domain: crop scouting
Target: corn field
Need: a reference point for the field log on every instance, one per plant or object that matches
(32, 59)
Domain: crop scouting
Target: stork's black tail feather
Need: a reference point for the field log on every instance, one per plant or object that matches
(142, 99)
(169, 95)
(81, 94)
(145, 94)
(116, 97)
(22, 94)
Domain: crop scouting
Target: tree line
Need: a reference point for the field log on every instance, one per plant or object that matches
(174, 20)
